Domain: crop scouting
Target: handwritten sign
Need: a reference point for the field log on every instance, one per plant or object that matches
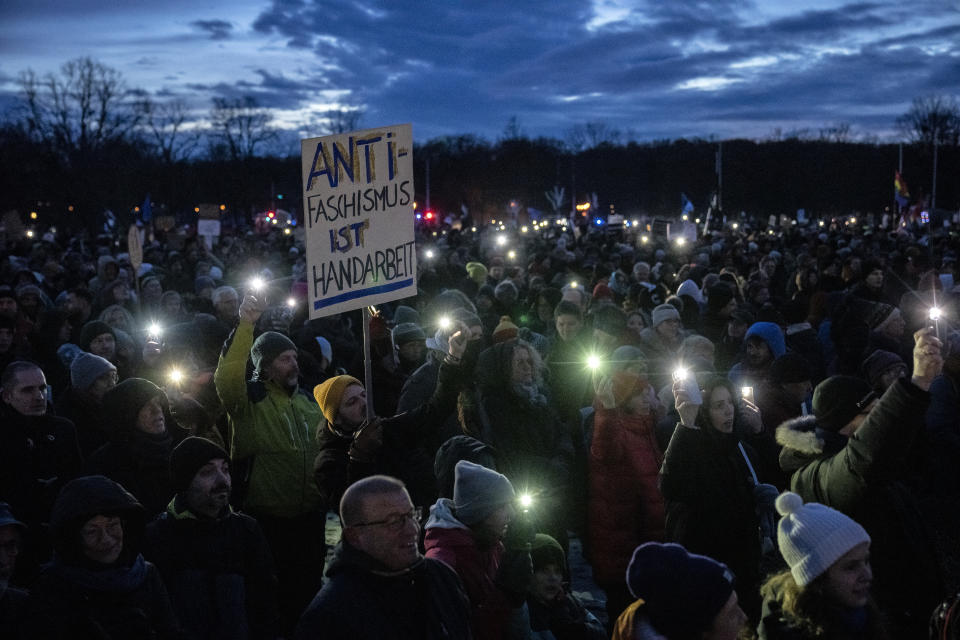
(357, 203)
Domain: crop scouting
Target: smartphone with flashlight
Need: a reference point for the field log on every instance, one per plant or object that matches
(934, 314)
(689, 383)
(747, 393)
(154, 332)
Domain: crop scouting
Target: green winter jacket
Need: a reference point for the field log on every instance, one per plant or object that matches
(277, 430)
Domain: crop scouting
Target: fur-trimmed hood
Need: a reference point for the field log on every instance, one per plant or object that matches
(803, 442)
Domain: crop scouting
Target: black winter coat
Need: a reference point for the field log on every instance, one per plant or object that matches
(38, 455)
(139, 461)
(869, 477)
(535, 447)
(410, 443)
(775, 625)
(363, 601)
(76, 599)
(63, 606)
(219, 574)
(88, 417)
(710, 506)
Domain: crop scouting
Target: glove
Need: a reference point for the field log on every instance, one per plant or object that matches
(367, 441)
(378, 327)
(520, 533)
(765, 495)
(514, 576)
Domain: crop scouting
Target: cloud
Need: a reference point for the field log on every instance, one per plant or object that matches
(216, 29)
(663, 69)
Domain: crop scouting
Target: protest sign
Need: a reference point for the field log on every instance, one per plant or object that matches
(357, 204)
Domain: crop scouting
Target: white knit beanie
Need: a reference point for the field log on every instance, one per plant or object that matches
(664, 312)
(813, 536)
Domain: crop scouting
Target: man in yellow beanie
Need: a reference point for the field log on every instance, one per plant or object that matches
(403, 446)
(273, 430)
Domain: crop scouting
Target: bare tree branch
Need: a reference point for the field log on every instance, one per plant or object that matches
(932, 119)
(81, 110)
(164, 127)
(240, 126)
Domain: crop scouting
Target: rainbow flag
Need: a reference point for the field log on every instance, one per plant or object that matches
(900, 192)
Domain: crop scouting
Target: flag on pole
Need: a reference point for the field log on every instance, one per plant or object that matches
(686, 205)
(900, 192)
(146, 211)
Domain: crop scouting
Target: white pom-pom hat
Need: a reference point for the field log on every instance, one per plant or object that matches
(813, 536)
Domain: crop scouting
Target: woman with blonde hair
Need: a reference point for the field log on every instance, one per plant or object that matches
(825, 593)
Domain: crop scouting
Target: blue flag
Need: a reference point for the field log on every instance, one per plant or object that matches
(146, 212)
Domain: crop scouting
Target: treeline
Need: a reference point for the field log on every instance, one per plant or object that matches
(758, 177)
(81, 141)
(770, 177)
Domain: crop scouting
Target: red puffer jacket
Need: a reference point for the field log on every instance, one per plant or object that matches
(626, 508)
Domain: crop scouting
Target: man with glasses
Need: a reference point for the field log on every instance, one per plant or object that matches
(378, 584)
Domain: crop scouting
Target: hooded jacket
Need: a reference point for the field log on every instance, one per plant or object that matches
(868, 477)
(72, 599)
(626, 507)
(452, 542)
(710, 505)
(535, 448)
(363, 600)
(771, 334)
(275, 428)
(139, 461)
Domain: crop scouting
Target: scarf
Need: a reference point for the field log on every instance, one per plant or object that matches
(109, 579)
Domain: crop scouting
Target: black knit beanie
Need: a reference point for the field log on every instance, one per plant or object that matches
(187, 458)
(91, 330)
(838, 399)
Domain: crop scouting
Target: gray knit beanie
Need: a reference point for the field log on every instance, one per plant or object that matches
(267, 347)
(86, 368)
(478, 492)
(665, 312)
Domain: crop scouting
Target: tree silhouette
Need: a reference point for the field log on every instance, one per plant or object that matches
(82, 110)
(163, 125)
(239, 127)
(932, 119)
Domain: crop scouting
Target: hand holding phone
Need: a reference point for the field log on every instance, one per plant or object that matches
(688, 382)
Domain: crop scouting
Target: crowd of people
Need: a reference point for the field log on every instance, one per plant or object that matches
(752, 434)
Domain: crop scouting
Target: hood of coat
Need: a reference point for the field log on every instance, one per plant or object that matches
(442, 517)
(770, 333)
(124, 402)
(89, 496)
(803, 441)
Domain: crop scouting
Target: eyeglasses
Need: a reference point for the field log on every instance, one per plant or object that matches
(395, 522)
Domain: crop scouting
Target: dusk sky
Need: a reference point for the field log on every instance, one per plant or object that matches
(655, 69)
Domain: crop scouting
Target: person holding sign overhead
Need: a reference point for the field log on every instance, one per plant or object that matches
(354, 445)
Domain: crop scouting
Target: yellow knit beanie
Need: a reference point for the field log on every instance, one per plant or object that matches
(329, 392)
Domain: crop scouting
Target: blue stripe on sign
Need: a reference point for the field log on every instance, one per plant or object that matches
(360, 293)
